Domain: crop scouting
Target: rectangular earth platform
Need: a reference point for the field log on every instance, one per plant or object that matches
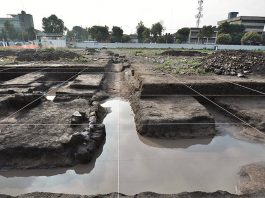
(155, 83)
(87, 81)
(68, 91)
(44, 136)
(24, 80)
(174, 117)
(249, 109)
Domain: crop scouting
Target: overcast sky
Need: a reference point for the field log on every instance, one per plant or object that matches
(173, 13)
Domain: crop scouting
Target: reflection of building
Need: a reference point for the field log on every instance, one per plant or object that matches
(21, 22)
(51, 39)
(195, 39)
(252, 23)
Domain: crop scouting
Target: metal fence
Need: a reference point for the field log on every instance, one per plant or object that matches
(168, 46)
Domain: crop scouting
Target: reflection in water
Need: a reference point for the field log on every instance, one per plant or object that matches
(176, 143)
(146, 164)
(79, 169)
(50, 98)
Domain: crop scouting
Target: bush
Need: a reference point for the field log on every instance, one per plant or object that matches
(251, 38)
(224, 39)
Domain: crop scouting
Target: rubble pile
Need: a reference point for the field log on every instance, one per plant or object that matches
(46, 55)
(89, 139)
(235, 63)
(5, 53)
(182, 53)
(91, 51)
(116, 58)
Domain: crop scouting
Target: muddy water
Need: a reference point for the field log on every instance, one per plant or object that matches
(145, 164)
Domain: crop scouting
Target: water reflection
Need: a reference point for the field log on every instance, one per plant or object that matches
(79, 169)
(145, 164)
(177, 143)
(50, 97)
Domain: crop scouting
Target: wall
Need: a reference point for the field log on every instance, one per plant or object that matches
(166, 46)
(53, 43)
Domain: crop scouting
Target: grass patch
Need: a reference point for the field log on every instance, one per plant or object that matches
(7, 60)
(182, 65)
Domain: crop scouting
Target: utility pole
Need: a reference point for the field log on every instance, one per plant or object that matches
(199, 15)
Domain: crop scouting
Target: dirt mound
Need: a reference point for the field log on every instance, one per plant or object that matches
(46, 55)
(91, 51)
(182, 53)
(5, 53)
(235, 63)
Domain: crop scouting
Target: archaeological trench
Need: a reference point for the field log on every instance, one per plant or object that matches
(52, 117)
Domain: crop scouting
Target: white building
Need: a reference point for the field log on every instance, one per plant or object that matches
(51, 39)
(195, 39)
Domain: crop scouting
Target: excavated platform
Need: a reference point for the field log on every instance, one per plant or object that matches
(250, 109)
(94, 64)
(43, 137)
(206, 85)
(23, 80)
(87, 81)
(174, 117)
(68, 91)
(156, 83)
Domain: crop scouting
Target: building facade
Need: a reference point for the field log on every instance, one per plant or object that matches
(21, 22)
(251, 23)
(195, 39)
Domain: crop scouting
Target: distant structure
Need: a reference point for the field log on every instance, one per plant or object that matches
(199, 15)
(51, 39)
(252, 23)
(195, 39)
(21, 22)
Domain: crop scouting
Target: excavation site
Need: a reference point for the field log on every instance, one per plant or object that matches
(132, 123)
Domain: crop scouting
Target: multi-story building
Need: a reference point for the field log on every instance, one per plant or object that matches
(21, 22)
(194, 37)
(251, 23)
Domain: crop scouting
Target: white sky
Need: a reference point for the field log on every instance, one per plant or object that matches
(173, 13)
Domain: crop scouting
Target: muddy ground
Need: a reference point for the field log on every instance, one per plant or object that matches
(218, 194)
(51, 115)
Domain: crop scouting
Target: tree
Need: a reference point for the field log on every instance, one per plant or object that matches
(147, 35)
(140, 28)
(156, 30)
(169, 38)
(263, 39)
(99, 33)
(78, 33)
(224, 39)
(251, 38)
(182, 35)
(70, 35)
(117, 34)
(160, 39)
(206, 32)
(235, 30)
(126, 38)
(53, 24)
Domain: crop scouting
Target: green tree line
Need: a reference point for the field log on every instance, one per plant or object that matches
(227, 33)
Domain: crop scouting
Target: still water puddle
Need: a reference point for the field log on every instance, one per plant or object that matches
(144, 164)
